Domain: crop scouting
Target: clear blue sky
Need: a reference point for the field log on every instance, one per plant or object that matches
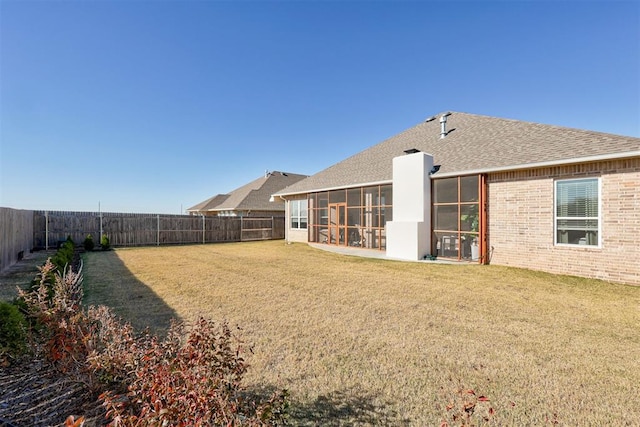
(154, 106)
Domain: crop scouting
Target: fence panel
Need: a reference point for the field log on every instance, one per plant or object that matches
(50, 228)
(16, 229)
(257, 228)
(222, 229)
(278, 228)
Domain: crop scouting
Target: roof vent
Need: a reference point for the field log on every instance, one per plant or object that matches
(411, 151)
(443, 125)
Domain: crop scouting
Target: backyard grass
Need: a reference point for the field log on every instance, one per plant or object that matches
(375, 342)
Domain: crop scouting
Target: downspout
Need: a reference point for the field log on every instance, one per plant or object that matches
(286, 217)
(484, 225)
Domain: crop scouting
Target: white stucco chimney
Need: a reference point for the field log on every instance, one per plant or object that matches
(409, 234)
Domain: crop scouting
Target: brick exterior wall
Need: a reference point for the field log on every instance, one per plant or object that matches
(521, 228)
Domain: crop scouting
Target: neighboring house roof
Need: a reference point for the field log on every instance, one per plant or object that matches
(252, 196)
(209, 203)
(473, 144)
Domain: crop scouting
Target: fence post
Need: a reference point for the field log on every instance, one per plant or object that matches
(46, 230)
(158, 236)
(272, 227)
(203, 229)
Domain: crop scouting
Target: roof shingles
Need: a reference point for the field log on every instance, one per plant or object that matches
(252, 196)
(473, 143)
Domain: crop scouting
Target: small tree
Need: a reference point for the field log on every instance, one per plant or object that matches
(104, 243)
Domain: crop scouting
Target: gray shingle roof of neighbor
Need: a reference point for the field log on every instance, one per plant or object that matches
(252, 196)
(210, 202)
(473, 144)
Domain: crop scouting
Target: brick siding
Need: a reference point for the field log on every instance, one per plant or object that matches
(521, 229)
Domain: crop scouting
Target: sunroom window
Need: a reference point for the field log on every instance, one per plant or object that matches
(456, 217)
(577, 212)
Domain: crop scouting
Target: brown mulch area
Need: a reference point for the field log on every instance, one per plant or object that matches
(32, 392)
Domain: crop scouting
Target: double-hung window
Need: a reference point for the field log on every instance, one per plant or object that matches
(577, 212)
(298, 214)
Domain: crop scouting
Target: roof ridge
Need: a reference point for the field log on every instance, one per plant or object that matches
(546, 125)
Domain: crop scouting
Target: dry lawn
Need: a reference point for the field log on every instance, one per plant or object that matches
(376, 342)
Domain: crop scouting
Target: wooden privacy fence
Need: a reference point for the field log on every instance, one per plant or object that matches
(16, 233)
(130, 229)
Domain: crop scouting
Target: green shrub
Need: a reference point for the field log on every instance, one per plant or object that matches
(104, 243)
(12, 331)
(88, 243)
(64, 255)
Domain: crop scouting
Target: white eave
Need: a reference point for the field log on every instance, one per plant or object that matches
(588, 159)
(563, 162)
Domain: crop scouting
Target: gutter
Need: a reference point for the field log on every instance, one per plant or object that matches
(537, 165)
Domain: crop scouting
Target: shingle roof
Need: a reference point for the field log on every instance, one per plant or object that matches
(473, 144)
(209, 203)
(252, 196)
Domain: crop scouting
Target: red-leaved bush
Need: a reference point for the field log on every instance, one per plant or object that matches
(64, 331)
(195, 382)
(190, 378)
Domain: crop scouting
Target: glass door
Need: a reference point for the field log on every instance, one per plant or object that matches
(338, 224)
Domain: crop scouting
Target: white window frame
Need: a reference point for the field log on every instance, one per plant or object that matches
(300, 203)
(556, 217)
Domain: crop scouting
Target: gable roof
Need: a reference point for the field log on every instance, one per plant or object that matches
(209, 203)
(252, 196)
(473, 144)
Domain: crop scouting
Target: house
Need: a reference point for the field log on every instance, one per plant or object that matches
(490, 190)
(252, 199)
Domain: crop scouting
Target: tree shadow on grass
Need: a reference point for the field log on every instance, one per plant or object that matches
(338, 408)
(108, 281)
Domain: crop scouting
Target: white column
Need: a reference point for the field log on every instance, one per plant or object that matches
(409, 234)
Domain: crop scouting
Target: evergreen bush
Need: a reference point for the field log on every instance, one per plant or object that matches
(13, 334)
(64, 255)
(88, 243)
(104, 243)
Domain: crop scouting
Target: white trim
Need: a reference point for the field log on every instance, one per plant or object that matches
(576, 160)
(555, 213)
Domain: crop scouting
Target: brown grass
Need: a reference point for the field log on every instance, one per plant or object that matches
(365, 341)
